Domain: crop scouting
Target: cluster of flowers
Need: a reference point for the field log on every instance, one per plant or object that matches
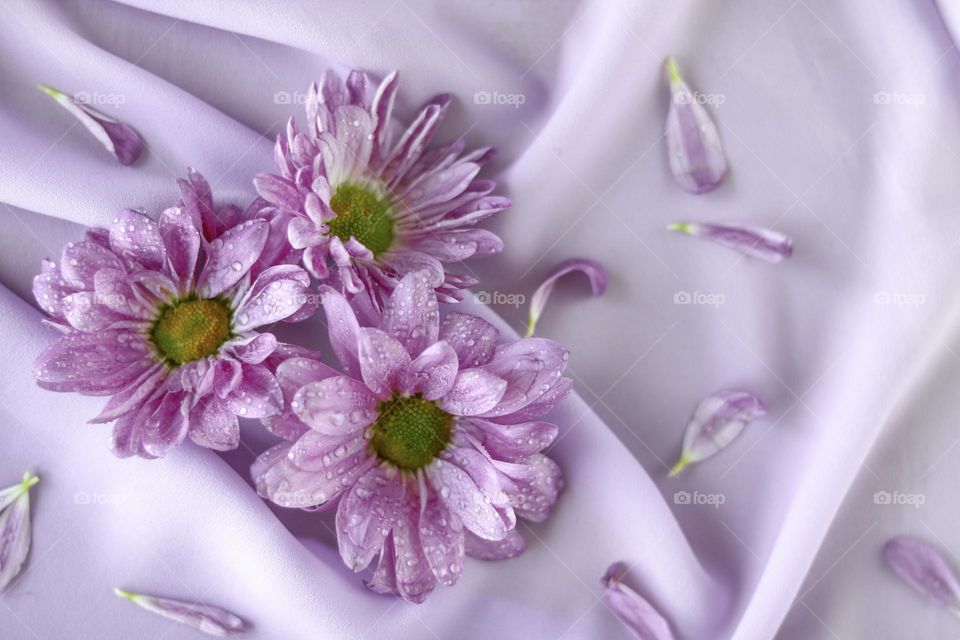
(427, 437)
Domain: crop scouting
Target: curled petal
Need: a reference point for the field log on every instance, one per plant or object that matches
(181, 240)
(693, 145)
(367, 513)
(15, 528)
(415, 579)
(432, 373)
(719, 419)
(382, 361)
(510, 547)
(443, 540)
(116, 137)
(757, 242)
(231, 255)
(463, 498)
(206, 618)
(632, 609)
(411, 314)
(591, 268)
(335, 406)
(925, 569)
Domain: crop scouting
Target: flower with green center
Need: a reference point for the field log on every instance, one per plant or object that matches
(191, 329)
(410, 431)
(163, 317)
(362, 215)
(375, 205)
(431, 441)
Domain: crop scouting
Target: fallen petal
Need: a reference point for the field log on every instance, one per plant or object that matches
(924, 568)
(208, 619)
(15, 528)
(693, 145)
(765, 244)
(631, 608)
(591, 268)
(719, 419)
(118, 138)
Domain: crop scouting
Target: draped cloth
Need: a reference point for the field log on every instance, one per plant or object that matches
(841, 123)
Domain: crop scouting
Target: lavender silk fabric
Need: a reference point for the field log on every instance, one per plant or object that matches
(841, 122)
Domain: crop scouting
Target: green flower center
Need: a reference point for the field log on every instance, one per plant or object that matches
(191, 329)
(410, 431)
(362, 215)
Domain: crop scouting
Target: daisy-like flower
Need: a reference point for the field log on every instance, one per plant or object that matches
(161, 317)
(375, 201)
(431, 440)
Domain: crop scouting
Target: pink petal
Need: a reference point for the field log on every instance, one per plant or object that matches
(382, 361)
(384, 579)
(283, 482)
(114, 291)
(415, 579)
(255, 350)
(15, 529)
(92, 363)
(592, 269)
(164, 424)
(136, 237)
(277, 293)
(474, 392)
(197, 200)
(545, 403)
(538, 481)
(510, 547)
(81, 261)
(442, 537)
(638, 615)
(335, 406)
(925, 569)
(116, 137)
(83, 313)
(258, 395)
(49, 289)
(213, 425)
(514, 442)
(464, 499)
(278, 191)
(343, 328)
(205, 618)
(181, 240)
(473, 338)
(367, 513)
(693, 145)
(531, 367)
(765, 244)
(432, 373)
(133, 396)
(718, 420)
(411, 314)
(231, 255)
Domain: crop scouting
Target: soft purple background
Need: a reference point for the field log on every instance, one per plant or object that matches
(842, 126)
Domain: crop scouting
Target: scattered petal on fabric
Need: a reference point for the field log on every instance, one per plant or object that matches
(631, 608)
(118, 138)
(591, 268)
(719, 419)
(206, 618)
(695, 153)
(925, 569)
(766, 244)
(15, 528)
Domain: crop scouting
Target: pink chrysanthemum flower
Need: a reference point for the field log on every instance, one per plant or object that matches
(161, 316)
(376, 201)
(431, 440)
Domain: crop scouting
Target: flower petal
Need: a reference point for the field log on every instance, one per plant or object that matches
(474, 391)
(415, 580)
(432, 373)
(136, 237)
(213, 425)
(411, 314)
(343, 328)
(230, 256)
(255, 350)
(382, 361)
(81, 261)
(591, 268)
(510, 547)
(278, 191)
(206, 618)
(442, 538)
(116, 137)
(164, 424)
(15, 529)
(181, 240)
(537, 483)
(693, 145)
(258, 395)
(335, 406)
(384, 579)
(100, 363)
(277, 293)
(638, 615)
(282, 481)
(531, 367)
(766, 244)
(719, 419)
(514, 442)
(925, 569)
(465, 500)
(473, 338)
(367, 513)
(84, 314)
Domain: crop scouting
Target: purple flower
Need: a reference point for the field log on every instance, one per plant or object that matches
(162, 318)
(632, 609)
(118, 138)
(211, 620)
(693, 145)
(431, 439)
(719, 419)
(766, 244)
(376, 204)
(15, 528)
